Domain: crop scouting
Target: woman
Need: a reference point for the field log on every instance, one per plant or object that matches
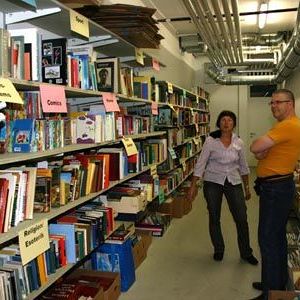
(222, 166)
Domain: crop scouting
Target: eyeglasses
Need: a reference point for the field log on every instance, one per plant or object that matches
(278, 102)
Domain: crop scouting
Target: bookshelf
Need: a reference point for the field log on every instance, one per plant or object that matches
(185, 116)
(58, 24)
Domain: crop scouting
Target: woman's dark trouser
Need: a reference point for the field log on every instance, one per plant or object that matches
(276, 198)
(213, 194)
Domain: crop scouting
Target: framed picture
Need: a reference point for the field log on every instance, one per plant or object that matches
(107, 74)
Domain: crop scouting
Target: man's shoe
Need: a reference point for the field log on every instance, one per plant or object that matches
(259, 297)
(218, 256)
(251, 260)
(257, 285)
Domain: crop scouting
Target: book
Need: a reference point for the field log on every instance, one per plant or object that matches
(54, 61)
(23, 135)
(107, 73)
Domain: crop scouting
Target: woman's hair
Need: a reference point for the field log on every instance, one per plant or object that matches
(226, 113)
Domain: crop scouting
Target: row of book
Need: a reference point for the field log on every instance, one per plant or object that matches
(179, 136)
(72, 238)
(25, 190)
(24, 133)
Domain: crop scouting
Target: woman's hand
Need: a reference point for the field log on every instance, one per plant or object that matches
(247, 193)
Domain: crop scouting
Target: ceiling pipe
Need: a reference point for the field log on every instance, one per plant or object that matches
(237, 27)
(231, 29)
(218, 14)
(210, 35)
(213, 57)
(252, 39)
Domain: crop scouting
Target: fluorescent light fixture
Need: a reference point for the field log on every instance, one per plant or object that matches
(262, 17)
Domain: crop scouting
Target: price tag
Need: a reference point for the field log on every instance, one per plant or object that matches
(154, 108)
(110, 102)
(170, 88)
(153, 170)
(8, 93)
(33, 241)
(79, 24)
(155, 64)
(130, 146)
(172, 153)
(53, 98)
(139, 56)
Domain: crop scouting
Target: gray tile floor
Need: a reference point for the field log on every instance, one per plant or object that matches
(180, 266)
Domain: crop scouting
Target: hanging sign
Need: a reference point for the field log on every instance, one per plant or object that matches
(170, 88)
(155, 64)
(53, 98)
(130, 146)
(8, 93)
(139, 56)
(110, 102)
(153, 170)
(79, 24)
(154, 108)
(33, 241)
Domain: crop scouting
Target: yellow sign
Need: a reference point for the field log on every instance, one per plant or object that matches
(8, 93)
(79, 24)
(139, 56)
(33, 241)
(153, 170)
(172, 107)
(170, 88)
(130, 146)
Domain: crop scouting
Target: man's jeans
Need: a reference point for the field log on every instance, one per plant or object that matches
(213, 194)
(276, 198)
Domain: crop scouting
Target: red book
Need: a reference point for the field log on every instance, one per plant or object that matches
(62, 248)
(3, 200)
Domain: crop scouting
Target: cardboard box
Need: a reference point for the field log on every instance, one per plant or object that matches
(139, 253)
(282, 295)
(147, 239)
(166, 207)
(112, 292)
(178, 206)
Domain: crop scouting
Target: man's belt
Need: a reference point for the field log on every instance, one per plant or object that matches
(275, 178)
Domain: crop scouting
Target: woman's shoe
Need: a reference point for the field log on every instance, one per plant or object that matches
(251, 260)
(218, 256)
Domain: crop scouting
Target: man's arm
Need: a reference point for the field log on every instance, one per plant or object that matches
(262, 145)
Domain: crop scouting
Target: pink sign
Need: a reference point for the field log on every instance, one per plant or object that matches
(110, 102)
(155, 64)
(154, 107)
(53, 98)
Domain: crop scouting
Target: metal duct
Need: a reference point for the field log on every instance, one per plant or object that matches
(254, 39)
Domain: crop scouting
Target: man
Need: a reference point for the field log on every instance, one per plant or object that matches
(277, 153)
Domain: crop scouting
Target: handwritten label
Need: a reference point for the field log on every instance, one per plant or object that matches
(153, 170)
(170, 88)
(154, 108)
(8, 93)
(139, 56)
(130, 146)
(79, 24)
(53, 98)
(155, 64)
(172, 153)
(33, 241)
(110, 102)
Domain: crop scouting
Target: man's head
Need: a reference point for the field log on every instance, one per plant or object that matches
(103, 73)
(282, 104)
